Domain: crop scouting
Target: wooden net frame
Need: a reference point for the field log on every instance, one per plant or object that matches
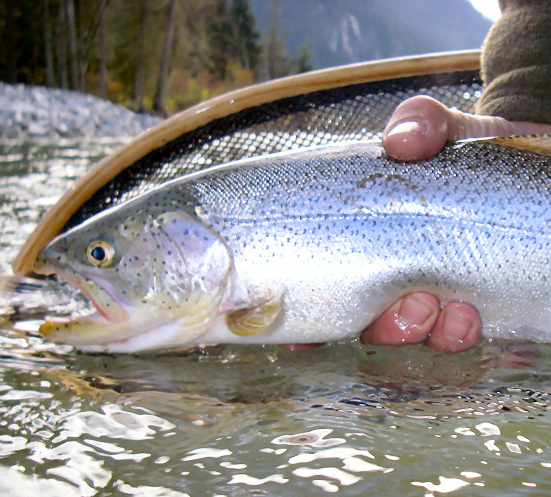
(224, 106)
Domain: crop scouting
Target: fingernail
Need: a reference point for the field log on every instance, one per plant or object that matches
(456, 326)
(408, 128)
(413, 311)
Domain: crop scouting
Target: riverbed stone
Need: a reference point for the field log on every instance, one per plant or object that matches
(38, 113)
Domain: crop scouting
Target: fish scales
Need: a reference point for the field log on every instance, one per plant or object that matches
(311, 246)
(461, 224)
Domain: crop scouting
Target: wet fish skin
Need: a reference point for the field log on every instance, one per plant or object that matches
(333, 234)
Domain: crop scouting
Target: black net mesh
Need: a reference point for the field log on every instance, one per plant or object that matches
(329, 116)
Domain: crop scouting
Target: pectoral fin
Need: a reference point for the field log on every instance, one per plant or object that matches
(253, 320)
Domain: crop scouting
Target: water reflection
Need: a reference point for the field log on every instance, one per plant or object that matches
(97, 425)
(15, 483)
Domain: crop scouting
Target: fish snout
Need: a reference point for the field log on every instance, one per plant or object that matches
(42, 266)
(47, 260)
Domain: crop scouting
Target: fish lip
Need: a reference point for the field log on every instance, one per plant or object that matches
(112, 318)
(80, 283)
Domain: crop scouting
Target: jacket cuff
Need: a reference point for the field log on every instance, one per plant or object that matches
(522, 94)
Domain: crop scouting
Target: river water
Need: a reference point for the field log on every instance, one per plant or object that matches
(249, 421)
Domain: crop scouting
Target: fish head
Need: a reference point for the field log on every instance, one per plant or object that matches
(140, 268)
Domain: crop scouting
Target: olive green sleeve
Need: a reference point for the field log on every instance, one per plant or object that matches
(516, 63)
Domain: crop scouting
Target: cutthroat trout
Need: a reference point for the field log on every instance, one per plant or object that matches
(311, 246)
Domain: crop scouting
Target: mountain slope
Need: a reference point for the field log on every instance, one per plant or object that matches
(345, 31)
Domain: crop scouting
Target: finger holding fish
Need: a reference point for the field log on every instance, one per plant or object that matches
(419, 128)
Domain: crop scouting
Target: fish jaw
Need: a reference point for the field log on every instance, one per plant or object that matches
(107, 301)
(146, 330)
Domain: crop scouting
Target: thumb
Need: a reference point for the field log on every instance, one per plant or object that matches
(421, 126)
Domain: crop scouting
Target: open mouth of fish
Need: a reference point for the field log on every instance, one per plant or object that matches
(109, 305)
(117, 326)
(110, 322)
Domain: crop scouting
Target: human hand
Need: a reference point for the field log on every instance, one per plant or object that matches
(421, 126)
(419, 129)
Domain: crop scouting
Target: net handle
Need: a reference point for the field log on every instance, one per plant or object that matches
(221, 106)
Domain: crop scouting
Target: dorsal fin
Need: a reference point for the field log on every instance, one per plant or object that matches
(540, 143)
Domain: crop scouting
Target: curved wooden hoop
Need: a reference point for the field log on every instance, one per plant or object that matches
(222, 106)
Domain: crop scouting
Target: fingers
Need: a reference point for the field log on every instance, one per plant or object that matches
(410, 320)
(421, 126)
(418, 129)
(417, 318)
(457, 328)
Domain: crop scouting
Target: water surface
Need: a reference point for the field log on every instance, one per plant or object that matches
(249, 421)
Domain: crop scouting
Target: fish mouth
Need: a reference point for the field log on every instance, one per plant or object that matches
(121, 327)
(110, 322)
(108, 303)
(104, 299)
(146, 331)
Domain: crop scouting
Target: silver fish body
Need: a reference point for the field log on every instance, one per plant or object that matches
(316, 243)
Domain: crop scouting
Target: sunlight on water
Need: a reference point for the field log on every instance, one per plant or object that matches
(250, 421)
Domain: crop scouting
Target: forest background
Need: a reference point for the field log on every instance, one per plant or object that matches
(165, 55)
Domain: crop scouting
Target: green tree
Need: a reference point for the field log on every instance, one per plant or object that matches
(146, 53)
(163, 73)
(277, 62)
(8, 50)
(303, 61)
(102, 51)
(220, 38)
(246, 45)
(233, 37)
(50, 80)
(21, 41)
(134, 33)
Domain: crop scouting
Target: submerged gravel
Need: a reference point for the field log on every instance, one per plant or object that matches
(37, 112)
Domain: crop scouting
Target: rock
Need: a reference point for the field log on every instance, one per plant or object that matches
(36, 112)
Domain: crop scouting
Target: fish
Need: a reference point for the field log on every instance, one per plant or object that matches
(311, 246)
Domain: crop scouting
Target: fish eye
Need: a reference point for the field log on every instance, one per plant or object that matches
(100, 253)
